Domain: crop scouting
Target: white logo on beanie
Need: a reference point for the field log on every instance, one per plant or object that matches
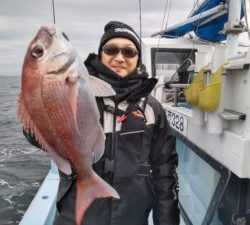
(128, 31)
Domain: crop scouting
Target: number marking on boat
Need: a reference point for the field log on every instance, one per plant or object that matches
(177, 121)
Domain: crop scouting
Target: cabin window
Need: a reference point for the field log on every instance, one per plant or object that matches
(201, 181)
(166, 61)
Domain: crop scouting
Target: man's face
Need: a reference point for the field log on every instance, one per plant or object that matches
(120, 55)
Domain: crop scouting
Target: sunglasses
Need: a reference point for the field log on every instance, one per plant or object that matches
(113, 50)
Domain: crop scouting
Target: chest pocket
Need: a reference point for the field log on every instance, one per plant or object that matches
(134, 123)
(129, 145)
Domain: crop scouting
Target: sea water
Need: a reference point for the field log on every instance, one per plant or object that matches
(22, 166)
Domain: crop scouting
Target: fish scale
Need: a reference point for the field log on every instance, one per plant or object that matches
(61, 113)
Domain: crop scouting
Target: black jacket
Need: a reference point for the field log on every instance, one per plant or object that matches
(139, 160)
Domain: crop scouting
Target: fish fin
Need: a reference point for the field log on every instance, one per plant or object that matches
(73, 93)
(100, 87)
(30, 127)
(22, 113)
(99, 146)
(62, 164)
(88, 190)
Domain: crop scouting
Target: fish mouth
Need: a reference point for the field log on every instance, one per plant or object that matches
(48, 33)
(51, 31)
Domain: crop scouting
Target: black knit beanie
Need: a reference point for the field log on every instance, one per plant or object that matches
(115, 29)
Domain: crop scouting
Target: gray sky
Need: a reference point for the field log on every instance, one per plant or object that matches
(81, 20)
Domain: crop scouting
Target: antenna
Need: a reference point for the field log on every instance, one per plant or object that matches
(54, 15)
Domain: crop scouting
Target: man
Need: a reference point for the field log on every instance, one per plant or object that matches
(139, 160)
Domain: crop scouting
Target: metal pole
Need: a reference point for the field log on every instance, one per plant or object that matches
(140, 31)
(54, 15)
(233, 21)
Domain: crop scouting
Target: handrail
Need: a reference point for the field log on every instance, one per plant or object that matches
(42, 209)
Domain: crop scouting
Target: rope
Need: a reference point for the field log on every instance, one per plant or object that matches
(169, 9)
(163, 19)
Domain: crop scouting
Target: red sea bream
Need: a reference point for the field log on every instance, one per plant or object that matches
(57, 106)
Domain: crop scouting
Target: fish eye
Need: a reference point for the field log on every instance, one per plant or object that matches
(37, 51)
(65, 36)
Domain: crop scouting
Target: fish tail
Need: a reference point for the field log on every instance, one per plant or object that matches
(88, 190)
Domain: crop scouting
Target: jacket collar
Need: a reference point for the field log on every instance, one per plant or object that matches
(130, 88)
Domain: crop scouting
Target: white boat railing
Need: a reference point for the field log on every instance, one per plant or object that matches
(43, 207)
